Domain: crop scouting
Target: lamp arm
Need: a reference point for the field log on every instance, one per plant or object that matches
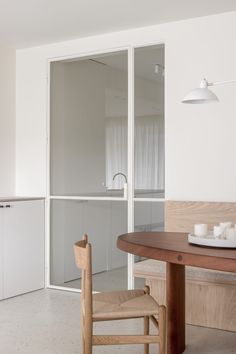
(220, 82)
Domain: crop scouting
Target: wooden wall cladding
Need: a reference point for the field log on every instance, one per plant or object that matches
(180, 216)
(207, 304)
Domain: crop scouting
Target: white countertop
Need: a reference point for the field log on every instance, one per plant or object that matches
(18, 198)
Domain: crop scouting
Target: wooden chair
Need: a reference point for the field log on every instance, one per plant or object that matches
(116, 305)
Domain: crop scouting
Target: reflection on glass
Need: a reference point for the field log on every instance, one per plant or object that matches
(116, 152)
(103, 221)
(148, 217)
(88, 133)
(149, 122)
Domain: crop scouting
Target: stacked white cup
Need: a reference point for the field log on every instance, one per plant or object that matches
(225, 231)
(218, 231)
(226, 225)
(231, 233)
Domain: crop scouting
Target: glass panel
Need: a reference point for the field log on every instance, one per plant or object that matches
(148, 216)
(149, 152)
(88, 141)
(103, 221)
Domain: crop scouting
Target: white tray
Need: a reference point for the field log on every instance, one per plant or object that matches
(210, 241)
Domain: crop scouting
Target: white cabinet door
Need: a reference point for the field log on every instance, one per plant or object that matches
(1, 250)
(23, 247)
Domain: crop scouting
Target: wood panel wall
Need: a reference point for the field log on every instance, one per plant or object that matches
(207, 304)
(180, 216)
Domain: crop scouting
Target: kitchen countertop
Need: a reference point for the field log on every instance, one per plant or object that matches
(18, 199)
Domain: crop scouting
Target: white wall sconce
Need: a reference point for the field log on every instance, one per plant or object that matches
(202, 94)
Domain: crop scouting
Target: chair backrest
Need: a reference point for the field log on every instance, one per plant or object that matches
(82, 251)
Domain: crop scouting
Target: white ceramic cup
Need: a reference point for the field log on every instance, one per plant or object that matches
(218, 231)
(200, 230)
(225, 225)
(231, 233)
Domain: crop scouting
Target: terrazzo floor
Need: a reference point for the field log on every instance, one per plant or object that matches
(48, 322)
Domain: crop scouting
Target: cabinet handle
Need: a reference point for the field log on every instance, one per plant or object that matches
(8, 206)
(1, 206)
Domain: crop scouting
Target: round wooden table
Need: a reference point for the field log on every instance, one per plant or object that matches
(173, 248)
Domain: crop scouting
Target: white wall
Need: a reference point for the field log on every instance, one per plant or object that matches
(200, 140)
(7, 121)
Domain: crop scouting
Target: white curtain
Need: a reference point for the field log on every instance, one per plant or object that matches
(148, 157)
(116, 151)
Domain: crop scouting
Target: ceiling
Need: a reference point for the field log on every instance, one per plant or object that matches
(28, 23)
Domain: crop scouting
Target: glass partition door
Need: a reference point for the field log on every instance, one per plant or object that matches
(106, 160)
(88, 164)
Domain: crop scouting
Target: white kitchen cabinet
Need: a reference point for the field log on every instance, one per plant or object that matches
(1, 251)
(22, 238)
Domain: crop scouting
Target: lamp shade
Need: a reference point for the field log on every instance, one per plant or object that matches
(200, 95)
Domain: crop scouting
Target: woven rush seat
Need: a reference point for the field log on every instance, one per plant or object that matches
(120, 304)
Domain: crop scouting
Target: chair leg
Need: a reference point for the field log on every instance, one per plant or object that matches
(88, 332)
(146, 331)
(88, 346)
(162, 329)
(82, 336)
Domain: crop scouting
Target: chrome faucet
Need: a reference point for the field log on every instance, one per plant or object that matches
(120, 174)
(125, 184)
